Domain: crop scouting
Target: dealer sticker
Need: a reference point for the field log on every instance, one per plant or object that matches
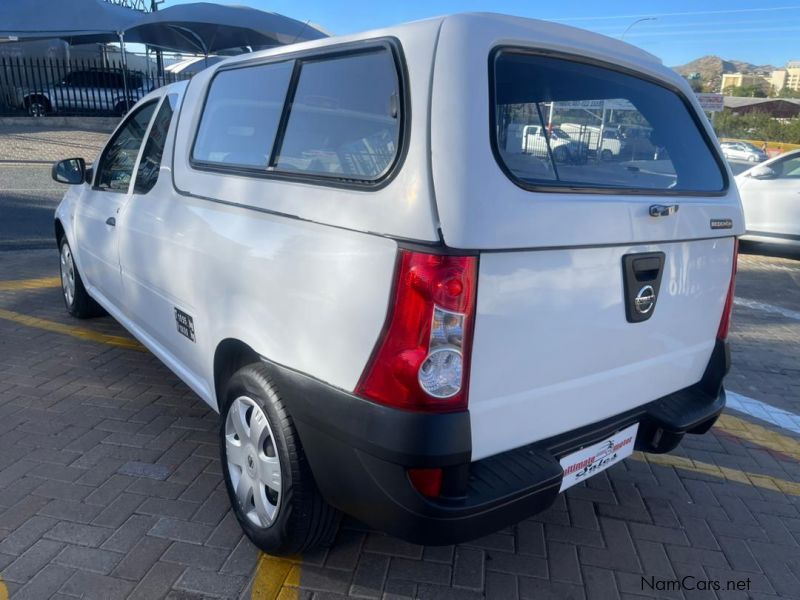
(589, 461)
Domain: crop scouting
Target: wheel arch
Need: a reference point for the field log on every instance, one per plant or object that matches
(230, 355)
(28, 98)
(59, 231)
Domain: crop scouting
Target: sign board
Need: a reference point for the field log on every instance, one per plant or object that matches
(711, 102)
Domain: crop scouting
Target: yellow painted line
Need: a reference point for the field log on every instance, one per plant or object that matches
(273, 575)
(687, 464)
(759, 435)
(3, 590)
(81, 333)
(30, 284)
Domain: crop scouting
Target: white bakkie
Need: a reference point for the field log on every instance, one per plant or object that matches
(399, 313)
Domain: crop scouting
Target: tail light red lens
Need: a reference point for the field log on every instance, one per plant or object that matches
(421, 361)
(725, 322)
(428, 482)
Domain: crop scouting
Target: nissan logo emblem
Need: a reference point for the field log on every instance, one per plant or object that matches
(645, 300)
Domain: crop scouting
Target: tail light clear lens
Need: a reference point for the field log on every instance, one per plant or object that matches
(725, 322)
(422, 360)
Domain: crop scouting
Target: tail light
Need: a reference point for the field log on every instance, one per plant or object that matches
(422, 360)
(427, 482)
(725, 322)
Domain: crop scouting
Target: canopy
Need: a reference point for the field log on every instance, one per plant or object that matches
(204, 28)
(199, 27)
(76, 21)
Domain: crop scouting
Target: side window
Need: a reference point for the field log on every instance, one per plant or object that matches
(344, 119)
(150, 164)
(116, 164)
(788, 169)
(241, 115)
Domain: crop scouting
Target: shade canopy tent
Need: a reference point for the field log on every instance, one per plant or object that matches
(76, 22)
(200, 27)
(204, 28)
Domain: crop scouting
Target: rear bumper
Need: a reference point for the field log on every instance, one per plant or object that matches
(359, 453)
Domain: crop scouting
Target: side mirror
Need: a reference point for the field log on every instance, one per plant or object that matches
(71, 171)
(762, 173)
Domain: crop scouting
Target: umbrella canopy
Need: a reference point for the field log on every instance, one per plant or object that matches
(203, 28)
(76, 21)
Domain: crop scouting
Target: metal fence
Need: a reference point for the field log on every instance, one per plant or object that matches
(39, 87)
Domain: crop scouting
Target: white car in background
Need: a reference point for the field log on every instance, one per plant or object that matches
(743, 151)
(771, 198)
(611, 146)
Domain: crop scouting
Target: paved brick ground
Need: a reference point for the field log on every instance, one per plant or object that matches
(110, 486)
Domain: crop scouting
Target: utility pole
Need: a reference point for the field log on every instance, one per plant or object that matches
(159, 56)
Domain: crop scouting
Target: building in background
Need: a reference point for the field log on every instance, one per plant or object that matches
(786, 78)
(744, 80)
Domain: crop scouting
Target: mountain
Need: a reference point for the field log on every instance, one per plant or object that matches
(712, 67)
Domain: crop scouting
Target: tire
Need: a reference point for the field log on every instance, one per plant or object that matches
(751, 159)
(38, 107)
(122, 107)
(77, 300)
(291, 516)
(606, 154)
(561, 155)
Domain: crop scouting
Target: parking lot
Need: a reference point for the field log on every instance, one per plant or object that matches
(110, 483)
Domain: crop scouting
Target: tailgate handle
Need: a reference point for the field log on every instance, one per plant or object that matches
(646, 269)
(663, 210)
(641, 276)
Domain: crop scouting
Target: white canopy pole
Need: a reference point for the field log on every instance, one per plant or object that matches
(121, 35)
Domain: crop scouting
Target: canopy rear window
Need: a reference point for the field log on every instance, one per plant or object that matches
(559, 123)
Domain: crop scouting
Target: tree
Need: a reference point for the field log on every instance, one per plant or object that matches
(788, 93)
(757, 126)
(747, 91)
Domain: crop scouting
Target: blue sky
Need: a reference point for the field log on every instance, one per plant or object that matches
(757, 31)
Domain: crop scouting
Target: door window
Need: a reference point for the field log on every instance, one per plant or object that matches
(788, 168)
(119, 157)
(150, 164)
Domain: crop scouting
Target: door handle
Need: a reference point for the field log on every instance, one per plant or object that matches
(111, 221)
(661, 210)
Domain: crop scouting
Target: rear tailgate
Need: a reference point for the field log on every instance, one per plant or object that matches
(559, 343)
(553, 350)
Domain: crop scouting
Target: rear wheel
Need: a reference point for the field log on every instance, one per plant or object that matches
(38, 107)
(606, 154)
(122, 107)
(269, 481)
(77, 300)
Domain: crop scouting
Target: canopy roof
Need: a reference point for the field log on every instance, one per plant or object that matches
(78, 21)
(203, 27)
(199, 27)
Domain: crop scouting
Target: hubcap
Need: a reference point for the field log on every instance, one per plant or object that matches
(253, 462)
(67, 274)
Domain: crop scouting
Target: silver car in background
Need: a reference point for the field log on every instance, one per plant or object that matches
(743, 151)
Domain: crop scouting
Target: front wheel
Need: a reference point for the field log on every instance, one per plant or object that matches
(77, 300)
(269, 482)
